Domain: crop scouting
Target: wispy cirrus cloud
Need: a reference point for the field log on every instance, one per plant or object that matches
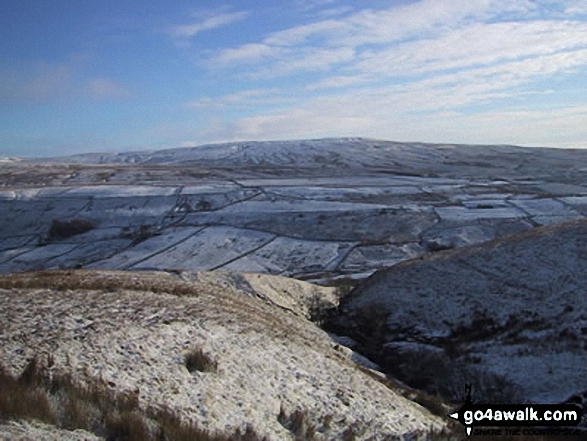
(247, 53)
(475, 44)
(576, 7)
(207, 24)
(298, 124)
(360, 31)
(338, 81)
(412, 65)
(312, 5)
(332, 12)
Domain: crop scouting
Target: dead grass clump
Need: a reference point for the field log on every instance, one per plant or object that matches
(97, 408)
(298, 423)
(65, 229)
(434, 403)
(128, 426)
(353, 431)
(75, 280)
(198, 360)
(344, 286)
(172, 428)
(24, 397)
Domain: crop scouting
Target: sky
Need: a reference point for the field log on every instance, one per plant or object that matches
(118, 75)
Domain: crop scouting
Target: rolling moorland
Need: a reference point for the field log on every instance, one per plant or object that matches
(167, 291)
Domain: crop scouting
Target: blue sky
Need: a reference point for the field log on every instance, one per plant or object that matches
(80, 76)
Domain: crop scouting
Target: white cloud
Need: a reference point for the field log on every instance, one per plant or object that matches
(332, 12)
(283, 61)
(248, 53)
(308, 60)
(397, 23)
(213, 22)
(476, 44)
(299, 123)
(452, 91)
(288, 50)
(406, 69)
(576, 7)
(566, 127)
(337, 81)
(326, 29)
(311, 5)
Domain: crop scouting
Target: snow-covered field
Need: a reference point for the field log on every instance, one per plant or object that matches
(266, 207)
(325, 210)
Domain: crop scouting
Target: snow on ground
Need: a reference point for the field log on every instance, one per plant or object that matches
(317, 210)
(378, 219)
(446, 237)
(210, 248)
(288, 206)
(37, 258)
(268, 359)
(15, 242)
(119, 191)
(547, 211)
(262, 205)
(379, 256)
(33, 430)
(146, 248)
(472, 214)
(291, 257)
(88, 252)
(505, 303)
(342, 193)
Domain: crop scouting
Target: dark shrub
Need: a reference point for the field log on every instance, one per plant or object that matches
(64, 229)
(138, 234)
(198, 360)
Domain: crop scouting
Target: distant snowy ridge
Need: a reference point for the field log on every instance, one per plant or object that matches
(342, 156)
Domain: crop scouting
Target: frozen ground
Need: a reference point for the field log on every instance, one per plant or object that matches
(321, 211)
(315, 210)
(515, 307)
(133, 331)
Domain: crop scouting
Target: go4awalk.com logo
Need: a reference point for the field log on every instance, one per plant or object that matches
(546, 416)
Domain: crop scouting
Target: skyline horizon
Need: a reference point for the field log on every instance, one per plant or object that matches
(279, 141)
(107, 76)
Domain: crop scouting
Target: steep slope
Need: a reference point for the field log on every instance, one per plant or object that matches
(514, 309)
(207, 353)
